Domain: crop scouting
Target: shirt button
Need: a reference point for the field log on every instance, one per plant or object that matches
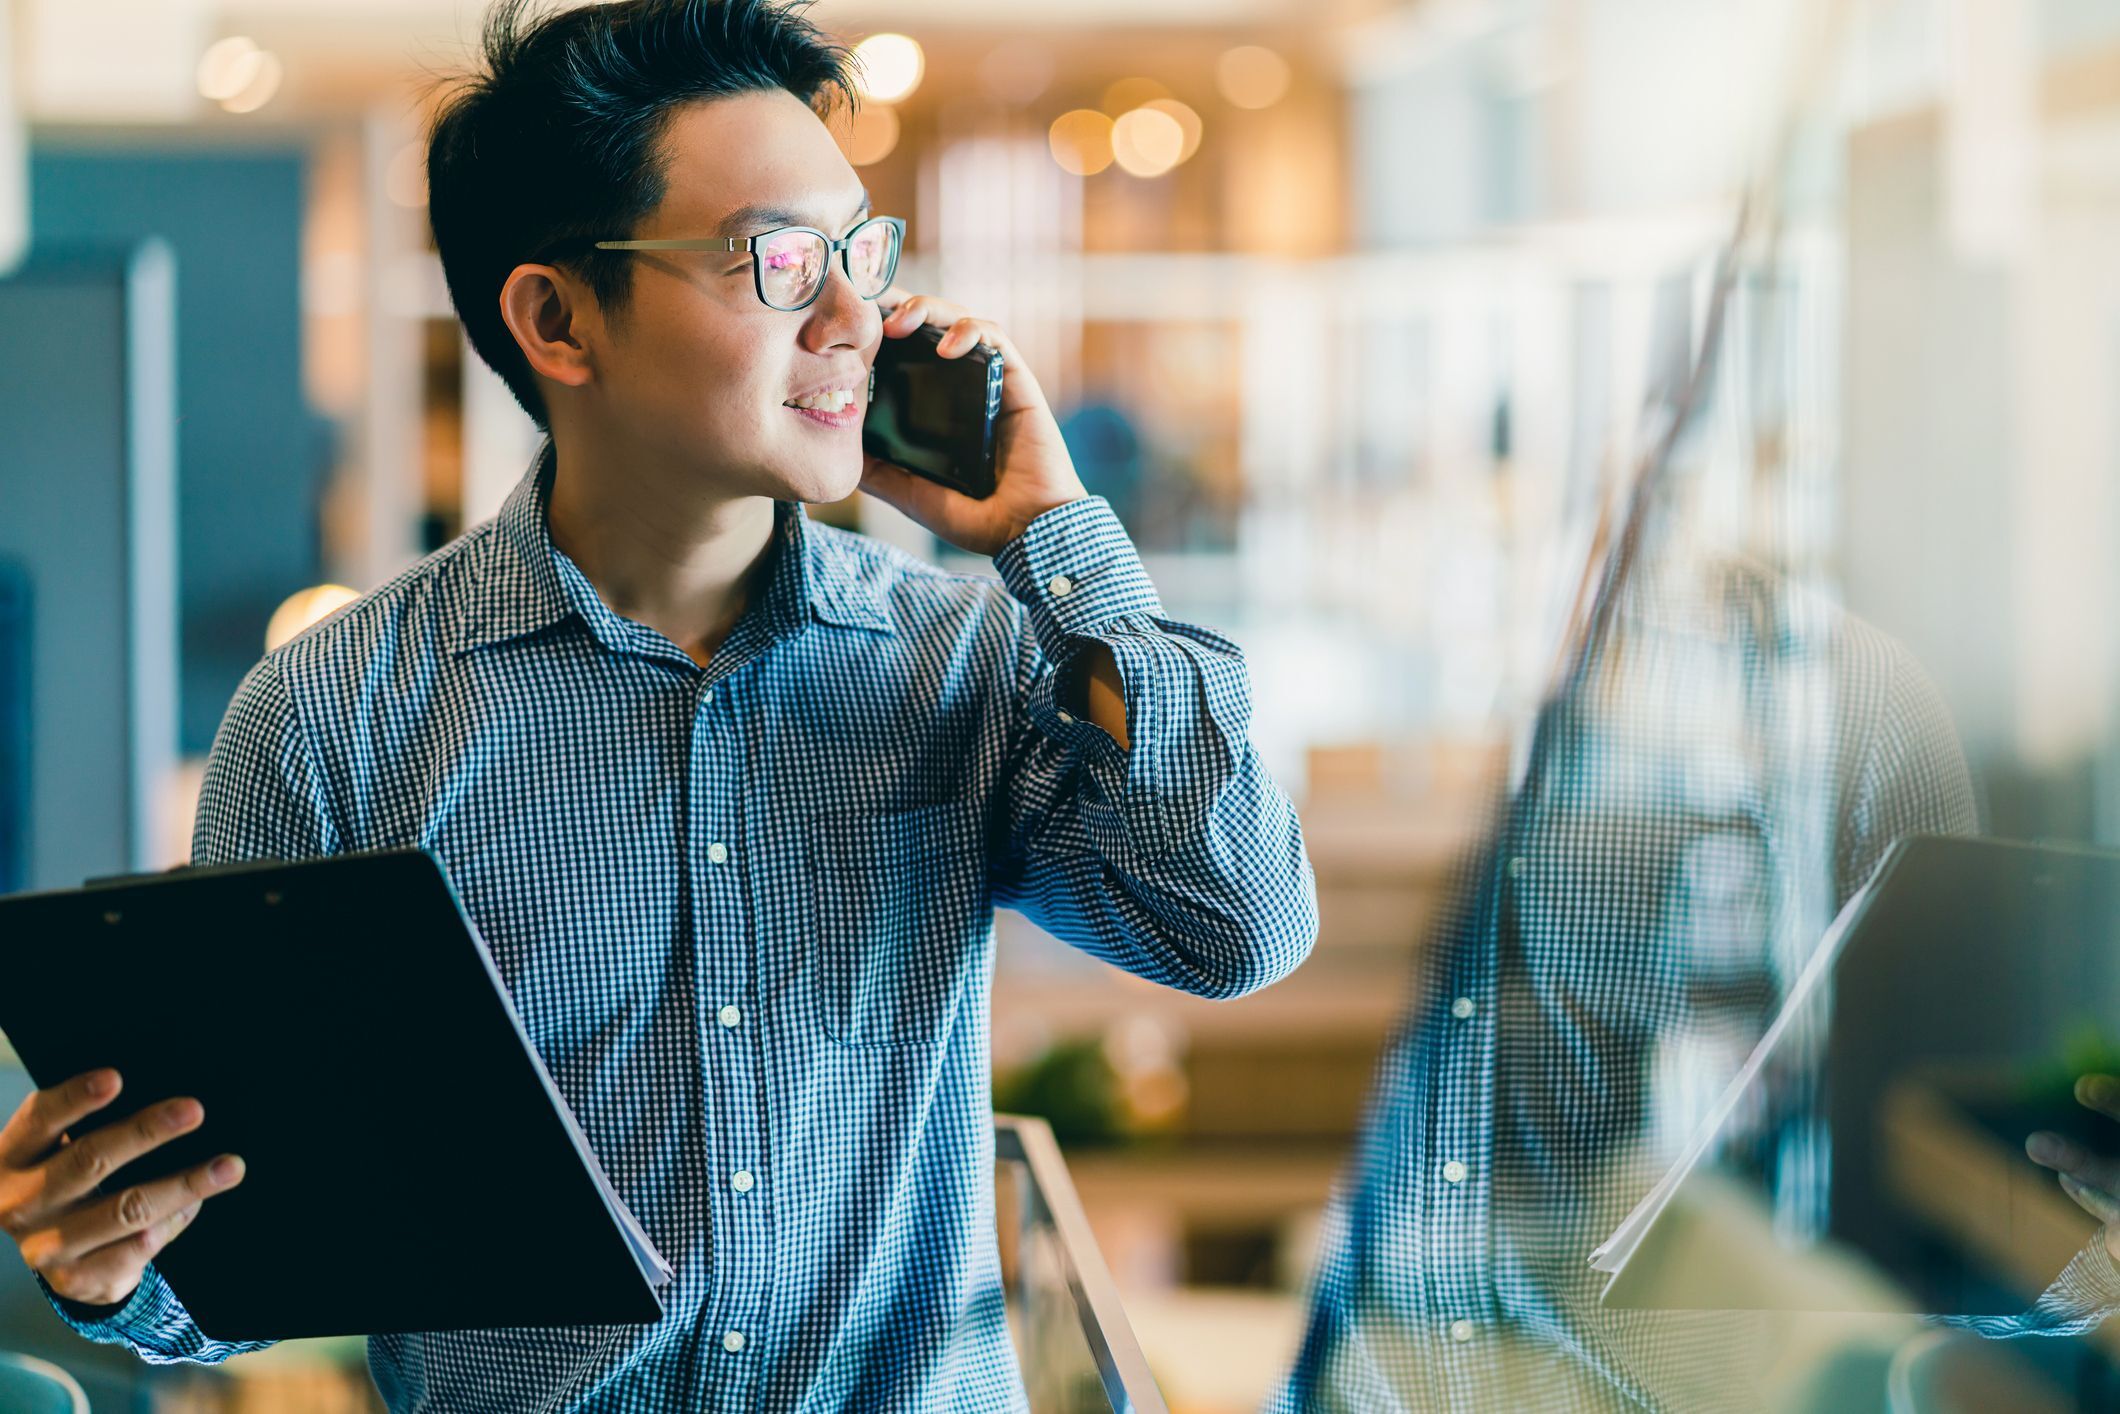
(717, 853)
(1461, 1331)
(1060, 586)
(732, 1342)
(1454, 1171)
(741, 1180)
(1463, 1008)
(1066, 719)
(1517, 867)
(708, 697)
(730, 1016)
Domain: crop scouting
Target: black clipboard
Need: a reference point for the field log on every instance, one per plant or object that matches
(410, 1165)
(1943, 989)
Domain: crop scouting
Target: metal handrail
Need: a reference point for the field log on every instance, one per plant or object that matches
(1121, 1367)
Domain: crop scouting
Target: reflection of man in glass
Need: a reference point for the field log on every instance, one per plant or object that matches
(1726, 769)
(1721, 765)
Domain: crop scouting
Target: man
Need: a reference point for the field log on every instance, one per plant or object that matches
(730, 796)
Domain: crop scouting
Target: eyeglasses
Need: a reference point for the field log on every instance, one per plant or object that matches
(788, 264)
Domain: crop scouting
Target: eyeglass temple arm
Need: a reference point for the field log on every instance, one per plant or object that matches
(739, 243)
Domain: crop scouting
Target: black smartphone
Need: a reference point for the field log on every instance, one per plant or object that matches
(932, 415)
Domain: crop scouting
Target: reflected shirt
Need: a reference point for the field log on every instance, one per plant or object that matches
(745, 912)
(1726, 769)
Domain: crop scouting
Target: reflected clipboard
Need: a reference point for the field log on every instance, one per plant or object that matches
(1947, 990)
(410, 1165)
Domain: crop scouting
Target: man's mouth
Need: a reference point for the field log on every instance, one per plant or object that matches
(834, 407)
(824, 400)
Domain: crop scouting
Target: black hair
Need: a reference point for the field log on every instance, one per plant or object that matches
(557, 142)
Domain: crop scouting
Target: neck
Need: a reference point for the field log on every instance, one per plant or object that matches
(659, 550)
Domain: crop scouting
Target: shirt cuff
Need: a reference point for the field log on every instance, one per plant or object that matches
(1076, 570)
(150, 1303)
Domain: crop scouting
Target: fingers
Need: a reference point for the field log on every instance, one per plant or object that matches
(2095, 1201)
(2100, 1093)
(112, 1273)
(43, 1116)
(2073, 1161)
(138, 1209)
(924, 500)
(80, 1166)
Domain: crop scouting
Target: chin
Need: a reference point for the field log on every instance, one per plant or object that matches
(819, 485)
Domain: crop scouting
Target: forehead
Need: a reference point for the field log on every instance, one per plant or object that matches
(728, 158)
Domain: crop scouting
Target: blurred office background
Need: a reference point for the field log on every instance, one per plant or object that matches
(1366, 314)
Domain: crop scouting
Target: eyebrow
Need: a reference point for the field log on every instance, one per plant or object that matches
(764, 216)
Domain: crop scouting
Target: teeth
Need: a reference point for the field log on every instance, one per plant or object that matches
(830, 400)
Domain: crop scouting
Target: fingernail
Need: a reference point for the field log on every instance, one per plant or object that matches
(226, 1169)
(103, 1084)
(183, 1113)
(2043, 1147)
(2098, 1090)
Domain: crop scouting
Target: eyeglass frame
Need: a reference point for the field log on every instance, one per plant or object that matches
(750, 244)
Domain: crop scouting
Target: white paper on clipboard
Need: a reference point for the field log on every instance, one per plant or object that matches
(1613, 1253)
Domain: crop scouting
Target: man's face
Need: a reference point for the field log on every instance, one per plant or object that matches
(698, 368)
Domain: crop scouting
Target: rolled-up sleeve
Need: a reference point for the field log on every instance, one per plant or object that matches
(262, 798)
(1175, 857)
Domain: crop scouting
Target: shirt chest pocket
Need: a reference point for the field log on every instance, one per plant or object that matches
(903, 914)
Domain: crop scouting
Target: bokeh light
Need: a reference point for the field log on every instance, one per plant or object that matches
(1081, 141)
(228, 67)
(1187, 120)
(888, 66)
(1252, 76)
(305, 609)
(1147, 142)
(264, 83)
(1016, 72)
(873, 135)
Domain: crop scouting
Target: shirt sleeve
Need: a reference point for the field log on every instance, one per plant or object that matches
(2081, 1299)
(262, 798)
(1176, 857)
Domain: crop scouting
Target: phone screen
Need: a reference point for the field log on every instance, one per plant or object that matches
(932, 415)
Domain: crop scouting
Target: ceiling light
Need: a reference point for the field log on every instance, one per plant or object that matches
(1081, 141)
(262, 86)
(873, 135)
(1147, 142)
(305, 609)
(228, 67)
(888, 67)
(1188, 121)
(1251, 76)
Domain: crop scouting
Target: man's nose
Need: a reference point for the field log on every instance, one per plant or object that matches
(840, 316)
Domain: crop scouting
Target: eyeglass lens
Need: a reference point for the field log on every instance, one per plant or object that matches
(791, 264)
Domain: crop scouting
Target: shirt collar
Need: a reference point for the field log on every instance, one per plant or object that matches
(525, 582)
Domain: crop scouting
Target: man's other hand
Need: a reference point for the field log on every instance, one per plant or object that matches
(87, 1246)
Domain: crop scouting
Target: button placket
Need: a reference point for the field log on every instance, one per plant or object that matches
(741, 1266)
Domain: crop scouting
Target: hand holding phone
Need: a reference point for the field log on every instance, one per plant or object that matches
(933, 347)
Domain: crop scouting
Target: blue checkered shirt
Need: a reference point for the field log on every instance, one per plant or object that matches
(746, 913)
(1725, 771)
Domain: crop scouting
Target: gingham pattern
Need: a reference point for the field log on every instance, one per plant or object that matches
(1726, 769)
(746, 914)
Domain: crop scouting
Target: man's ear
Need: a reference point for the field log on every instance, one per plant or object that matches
(545, 310)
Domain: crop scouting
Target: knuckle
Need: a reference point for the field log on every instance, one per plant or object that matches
(135, 1208)
(92, 1162)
